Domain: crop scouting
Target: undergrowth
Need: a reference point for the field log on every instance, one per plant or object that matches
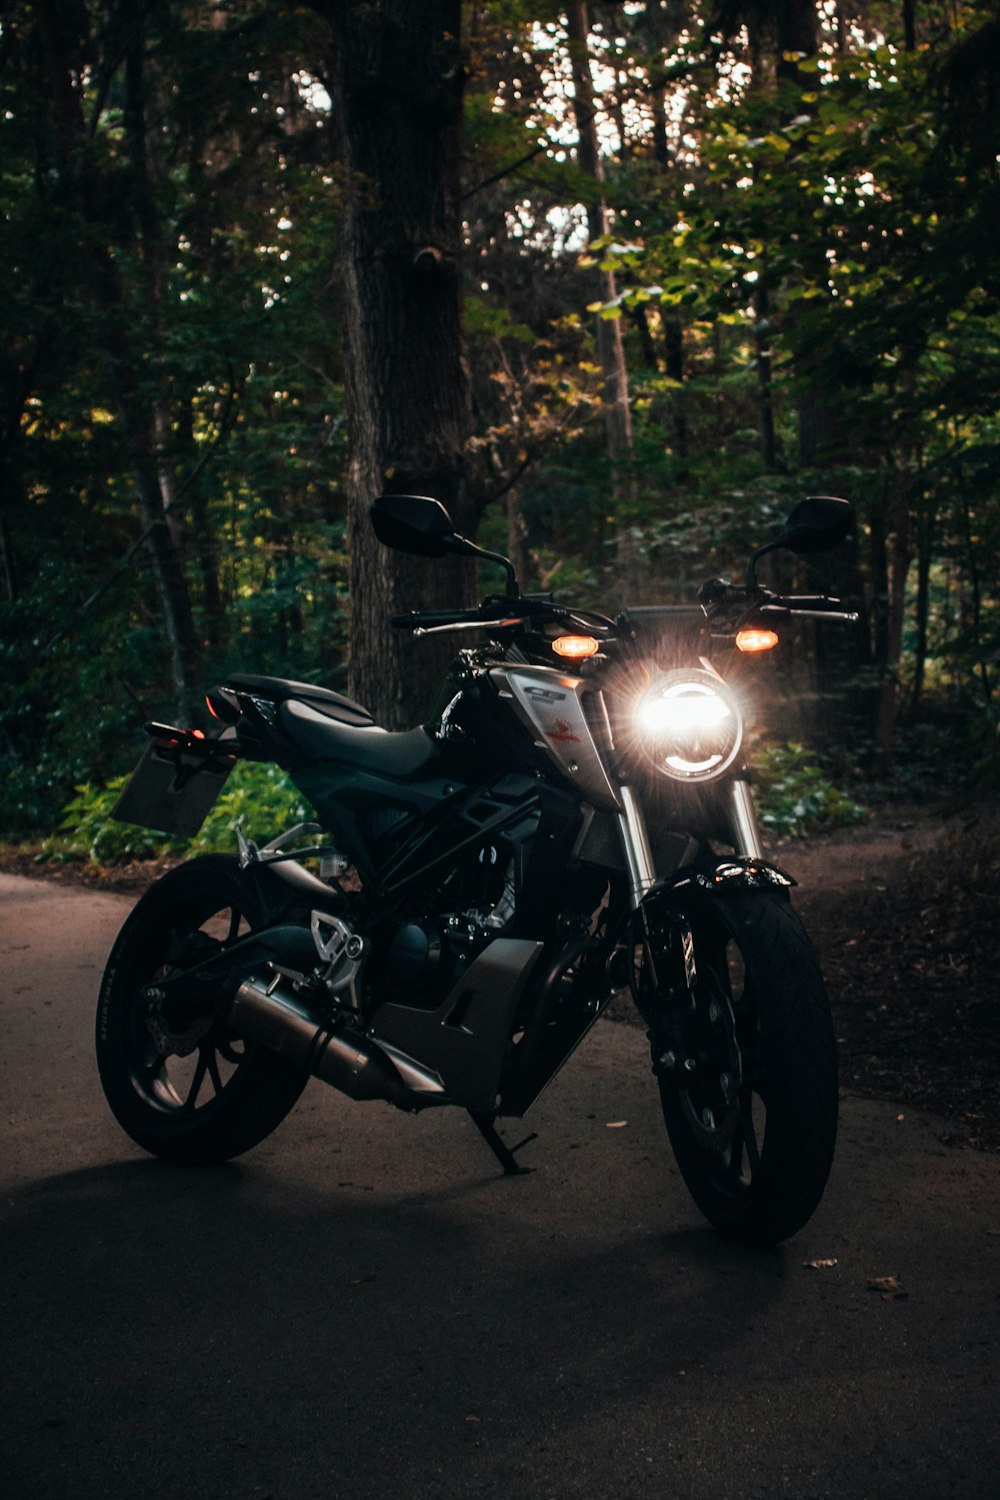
(794, 797)
(258, 798)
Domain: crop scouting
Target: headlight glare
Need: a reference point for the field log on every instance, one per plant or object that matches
(689, 725)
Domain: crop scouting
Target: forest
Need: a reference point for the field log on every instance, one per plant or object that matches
(686, 264)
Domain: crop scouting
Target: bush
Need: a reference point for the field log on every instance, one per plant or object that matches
(259, 798)
(30, 796)
(794, 795)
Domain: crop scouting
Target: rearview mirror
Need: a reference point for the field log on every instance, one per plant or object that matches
(817, 524)
(421, 526)
(416, 524)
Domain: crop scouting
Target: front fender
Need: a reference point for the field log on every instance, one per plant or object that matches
(727, 873)
(667, 916)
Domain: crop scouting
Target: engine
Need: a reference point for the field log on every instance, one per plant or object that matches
(427, 953)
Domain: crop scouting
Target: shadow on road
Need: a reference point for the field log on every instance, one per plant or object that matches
(158, 1314)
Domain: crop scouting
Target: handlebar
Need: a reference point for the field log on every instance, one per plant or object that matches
(504, 613)
(817, 606)
(719, 597)
(429, 619)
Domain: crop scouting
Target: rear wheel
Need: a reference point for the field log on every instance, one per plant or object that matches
(189, 1090)
(748, 1071)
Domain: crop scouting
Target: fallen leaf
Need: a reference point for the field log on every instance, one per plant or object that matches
(889, 1288)
(820, 1265)
(617, 1124)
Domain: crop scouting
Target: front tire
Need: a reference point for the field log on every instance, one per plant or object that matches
(749, 1095)
(203, 1094)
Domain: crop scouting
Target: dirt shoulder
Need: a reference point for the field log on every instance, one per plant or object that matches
(905, 919)
(903, 912)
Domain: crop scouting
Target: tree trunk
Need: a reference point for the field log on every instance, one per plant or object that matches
(889, 696)
(610, 346)
(12, 497)
(399, 97)
(82, 187)
(975, 584)
(673, 336)
(925, 557)
(765, 395)
(146, 419)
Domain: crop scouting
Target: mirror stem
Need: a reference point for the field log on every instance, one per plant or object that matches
(752, 565)
(471, 549)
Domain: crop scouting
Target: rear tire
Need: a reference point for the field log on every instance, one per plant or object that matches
(226, 1094)
(754, 1122)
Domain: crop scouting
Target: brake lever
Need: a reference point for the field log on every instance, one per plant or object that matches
(464, 625)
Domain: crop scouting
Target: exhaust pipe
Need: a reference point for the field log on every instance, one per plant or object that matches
(274, 1015)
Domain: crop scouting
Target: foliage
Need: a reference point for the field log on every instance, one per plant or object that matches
(806, 279)
(794, 794)
(260, 799)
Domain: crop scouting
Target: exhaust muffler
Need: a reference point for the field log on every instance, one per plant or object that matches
(273, 1014)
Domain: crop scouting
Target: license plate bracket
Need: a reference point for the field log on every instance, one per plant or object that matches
(172, 790)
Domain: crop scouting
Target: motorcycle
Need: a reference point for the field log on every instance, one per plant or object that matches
(577, 820)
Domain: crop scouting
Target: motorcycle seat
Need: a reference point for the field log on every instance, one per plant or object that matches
(280, 689)
(400, 755)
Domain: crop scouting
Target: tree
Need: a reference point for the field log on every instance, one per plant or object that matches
(399, 89)
(610, 343)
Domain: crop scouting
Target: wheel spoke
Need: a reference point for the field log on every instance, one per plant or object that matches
(207, 1050)
(234, 925)
(736, 1152)
(750, 1138)
(197, 1079)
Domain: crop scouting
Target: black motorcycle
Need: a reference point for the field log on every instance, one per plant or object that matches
(474, 892)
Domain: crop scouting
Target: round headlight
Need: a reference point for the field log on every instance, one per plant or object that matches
(689, 725)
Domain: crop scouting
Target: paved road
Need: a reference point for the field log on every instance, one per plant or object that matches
(362, 1307)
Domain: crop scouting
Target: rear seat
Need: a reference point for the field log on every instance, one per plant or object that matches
(324, 700)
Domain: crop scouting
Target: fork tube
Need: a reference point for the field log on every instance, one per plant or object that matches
(746, 829)
(635, 842)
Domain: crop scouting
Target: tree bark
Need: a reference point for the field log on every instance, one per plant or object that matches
(400, 81)
(610, 346)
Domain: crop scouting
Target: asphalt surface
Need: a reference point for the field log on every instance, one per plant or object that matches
(364, 1307)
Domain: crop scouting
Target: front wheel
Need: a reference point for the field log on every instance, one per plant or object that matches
(747, 1068)
(193, 1093)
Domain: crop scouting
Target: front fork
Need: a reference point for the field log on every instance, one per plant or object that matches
(684, 1027)
(744, 829)
(642, 878)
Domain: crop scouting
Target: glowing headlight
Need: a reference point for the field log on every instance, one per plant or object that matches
(689, 725)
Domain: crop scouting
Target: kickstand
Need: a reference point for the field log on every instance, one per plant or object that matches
(504, 1154)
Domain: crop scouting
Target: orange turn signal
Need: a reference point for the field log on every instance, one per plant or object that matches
(575, 645)
(756, 640)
